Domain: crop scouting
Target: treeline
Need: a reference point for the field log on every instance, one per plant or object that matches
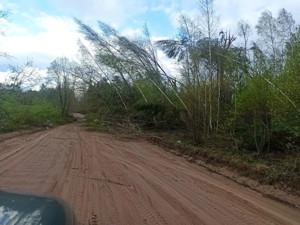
(226, 84)
(248, 91)
(22, 107)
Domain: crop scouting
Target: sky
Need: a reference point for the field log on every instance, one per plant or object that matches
(42, 30)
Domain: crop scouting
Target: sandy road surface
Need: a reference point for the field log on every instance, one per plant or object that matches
(112, 181)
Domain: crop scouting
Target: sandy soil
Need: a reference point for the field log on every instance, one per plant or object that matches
(108, 180)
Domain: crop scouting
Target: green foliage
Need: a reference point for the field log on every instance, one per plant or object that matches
(16, 115)
(264, 119)
(249, 93)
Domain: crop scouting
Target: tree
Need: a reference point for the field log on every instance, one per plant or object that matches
(244, 31)
(209, 26)
(265, 100)
(131, 62)
(25, 76)
(205, 61)
(60, 72)
(274, 32)
(187, 50)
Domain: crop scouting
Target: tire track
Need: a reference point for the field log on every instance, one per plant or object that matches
(109, 181)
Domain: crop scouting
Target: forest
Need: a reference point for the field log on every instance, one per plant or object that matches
(228, 90)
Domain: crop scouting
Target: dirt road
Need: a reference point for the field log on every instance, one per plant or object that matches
(108, 180)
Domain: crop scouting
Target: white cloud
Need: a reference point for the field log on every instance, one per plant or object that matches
(114, 12)
(132, 33)
(3, 76)
(170, 66)
(232, 11)
(56, 37)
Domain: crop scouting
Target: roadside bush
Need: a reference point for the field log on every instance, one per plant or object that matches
(14, 115)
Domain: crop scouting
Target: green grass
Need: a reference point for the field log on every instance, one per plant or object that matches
(16, 116)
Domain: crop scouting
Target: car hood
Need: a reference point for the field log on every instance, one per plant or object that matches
(27, 209)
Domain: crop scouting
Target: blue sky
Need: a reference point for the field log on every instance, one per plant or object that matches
(42, 30)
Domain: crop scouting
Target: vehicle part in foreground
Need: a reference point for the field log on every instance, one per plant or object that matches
(27, 209)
